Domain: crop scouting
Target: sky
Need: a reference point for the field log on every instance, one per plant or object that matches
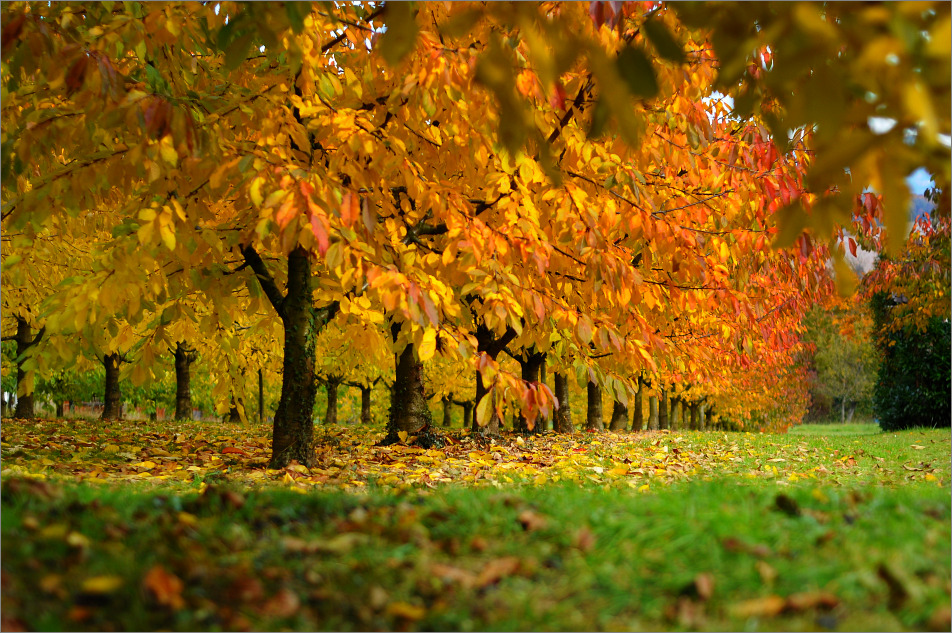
(919, 181)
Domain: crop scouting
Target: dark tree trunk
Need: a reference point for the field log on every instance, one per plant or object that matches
(488, 343)
(695, 417)
(467, 414)
(678, 416)
(594, 421)
(663, 411)
(447, 411)
(653, 413)
(25, 340)
(234, 414)
(409, 411)
(531, 363)
(293, 434)
(59, 410)
(183, 381)
(332, 385)
(638, 417)
(563, 415)
(619, 421)
(365, 417)
(112, 398)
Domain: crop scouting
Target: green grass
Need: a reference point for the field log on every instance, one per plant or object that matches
(824, 430)
(770, 532)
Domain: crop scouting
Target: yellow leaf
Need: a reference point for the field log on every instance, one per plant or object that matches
(101, 584)
(167, 151)
(405, 610)
(427, 346)
(110, 448)
(168, 237)
(402, 435)
(255, 192)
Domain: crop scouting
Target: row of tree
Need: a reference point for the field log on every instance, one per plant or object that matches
(558, 182)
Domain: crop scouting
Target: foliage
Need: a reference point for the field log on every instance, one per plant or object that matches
(844, 356)
(915, 377)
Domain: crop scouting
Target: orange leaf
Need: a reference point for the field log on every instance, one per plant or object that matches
(497, 569)
(165, 587)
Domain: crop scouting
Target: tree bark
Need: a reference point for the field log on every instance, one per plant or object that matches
(234, 414)
(365, 416)
(293, 433)
(183, 386)
(594, 421)
(663, 410)
(112, 398)
(619, 421)
(563, 415)
(409, 411)
(24, 340)
(447, 412)
(674, 417)
(467, 413)
(531, 363)
(695, 416)
(59, 410)
(331, 385)
(652, 413)
(638, 415)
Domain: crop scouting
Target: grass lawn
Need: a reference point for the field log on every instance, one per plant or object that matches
(150, 528)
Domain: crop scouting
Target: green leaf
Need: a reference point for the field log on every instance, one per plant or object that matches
(401, 33)
(791, 220)
(638, 72)
(599, 120)
(237, 51)
(659, 36)
(297, 11)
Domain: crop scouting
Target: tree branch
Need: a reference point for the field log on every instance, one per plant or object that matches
(264, 278)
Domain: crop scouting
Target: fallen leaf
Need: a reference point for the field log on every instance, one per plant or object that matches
(584, 539)
(495, 570)
(166, 588)
(532, 521)
(405, 610)
(765, 607)
(453, 574)
(767, 573)
(101, 585)
(941, 619)
(811, 600)
(704, 585)
(283, 604)
(787, 505)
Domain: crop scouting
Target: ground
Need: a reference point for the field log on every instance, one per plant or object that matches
(183, 527)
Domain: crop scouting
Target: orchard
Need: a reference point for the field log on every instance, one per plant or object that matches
(401, 248)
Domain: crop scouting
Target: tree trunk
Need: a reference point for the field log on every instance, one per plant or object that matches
(260, 396)
(447, 412)
(695, 416)
(674, 418)
(467, 413)
(562, 422)
(638, 415)
(663, 411)
(234, 414)
(531, 365)
(652, 413)
(59, 410)
(332, 385)
(183, 386)
(293, 434)
(619, 421)
(112, 398)
(488, 343)
(24, 408)
(702, 416)
(365, 417)
(594, 421)
(409, 411)
(842, 410)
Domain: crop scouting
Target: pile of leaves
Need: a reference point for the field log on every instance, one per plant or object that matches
(184, 455)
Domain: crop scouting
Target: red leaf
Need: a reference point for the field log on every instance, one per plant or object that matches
(320, 232)
(557, 98)
(853, 246)
(232, 450)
